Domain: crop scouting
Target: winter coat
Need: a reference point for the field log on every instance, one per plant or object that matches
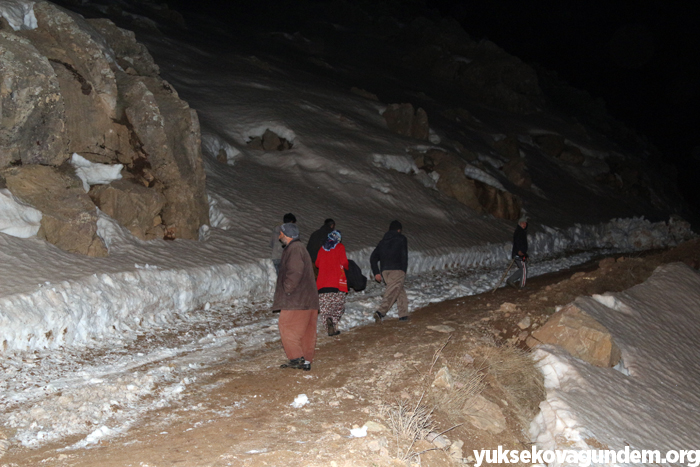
(519, 241)
(391, 252)
(331, 268)
(296, 286)
(316, 241)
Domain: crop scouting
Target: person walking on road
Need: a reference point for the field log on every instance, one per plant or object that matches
(519, 255)
(297, 300)
(389, 261)
(332, 283)
(275, 242)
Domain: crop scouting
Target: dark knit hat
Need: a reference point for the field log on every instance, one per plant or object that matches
(290, 230)
(395, 225)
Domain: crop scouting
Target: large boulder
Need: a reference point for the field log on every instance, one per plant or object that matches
(132, 56)
(31, 106)
(133, 205)
(551, 144)
(72, 41)
(69, 218)
(472, 193)
(579, 334)
(169, 136)
(81, 86)
(88, 88)
(498, 203)
(404, 120)
(517, 173)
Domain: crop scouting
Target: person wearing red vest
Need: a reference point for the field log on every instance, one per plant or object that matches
(332, 285)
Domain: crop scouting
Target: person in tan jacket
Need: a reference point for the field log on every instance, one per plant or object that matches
(296, 298)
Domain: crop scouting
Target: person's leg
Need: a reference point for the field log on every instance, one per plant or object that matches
(393, 289)
(402, 298)
(308, 338)
(325, 302)
(524, 273)
(516, 277)
(339, 308)
(293, 324)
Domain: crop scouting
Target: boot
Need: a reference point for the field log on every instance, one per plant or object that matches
(330, 327)
(296, 363)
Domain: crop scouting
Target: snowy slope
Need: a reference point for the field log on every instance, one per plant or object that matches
(344, 164)
(651, 405)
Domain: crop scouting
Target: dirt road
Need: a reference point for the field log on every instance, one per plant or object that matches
(240, 414)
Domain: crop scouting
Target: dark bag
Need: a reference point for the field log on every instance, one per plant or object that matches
(356, 280)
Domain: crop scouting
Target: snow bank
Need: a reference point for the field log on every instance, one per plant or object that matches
(119, 303)
(655, 325)
(17, 219)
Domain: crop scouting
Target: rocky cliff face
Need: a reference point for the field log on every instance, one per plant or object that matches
(72, 85)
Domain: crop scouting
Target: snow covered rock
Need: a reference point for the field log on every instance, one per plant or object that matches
(580, 334)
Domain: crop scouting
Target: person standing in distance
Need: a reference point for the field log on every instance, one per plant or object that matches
(275, 242)
(519, 254)
(297, 300)
(392, 254)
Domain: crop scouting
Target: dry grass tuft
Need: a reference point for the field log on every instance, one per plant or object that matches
(515, 371)
(409, 423)
(468, 383)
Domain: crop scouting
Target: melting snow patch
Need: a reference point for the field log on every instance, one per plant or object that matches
(17, 219)
(358, 432)
(92, 173)
(300, 401)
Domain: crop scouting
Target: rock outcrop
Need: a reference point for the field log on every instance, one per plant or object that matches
(33, 127)
(473, 193)
(73, 85)
(579, 334)
(404, 120)
(69, 218)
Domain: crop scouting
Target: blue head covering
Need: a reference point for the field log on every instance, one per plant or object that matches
(332, 240)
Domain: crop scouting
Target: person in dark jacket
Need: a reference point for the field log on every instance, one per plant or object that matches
(519, 254)
(297, 300)
(318, 238)
(389, 261)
